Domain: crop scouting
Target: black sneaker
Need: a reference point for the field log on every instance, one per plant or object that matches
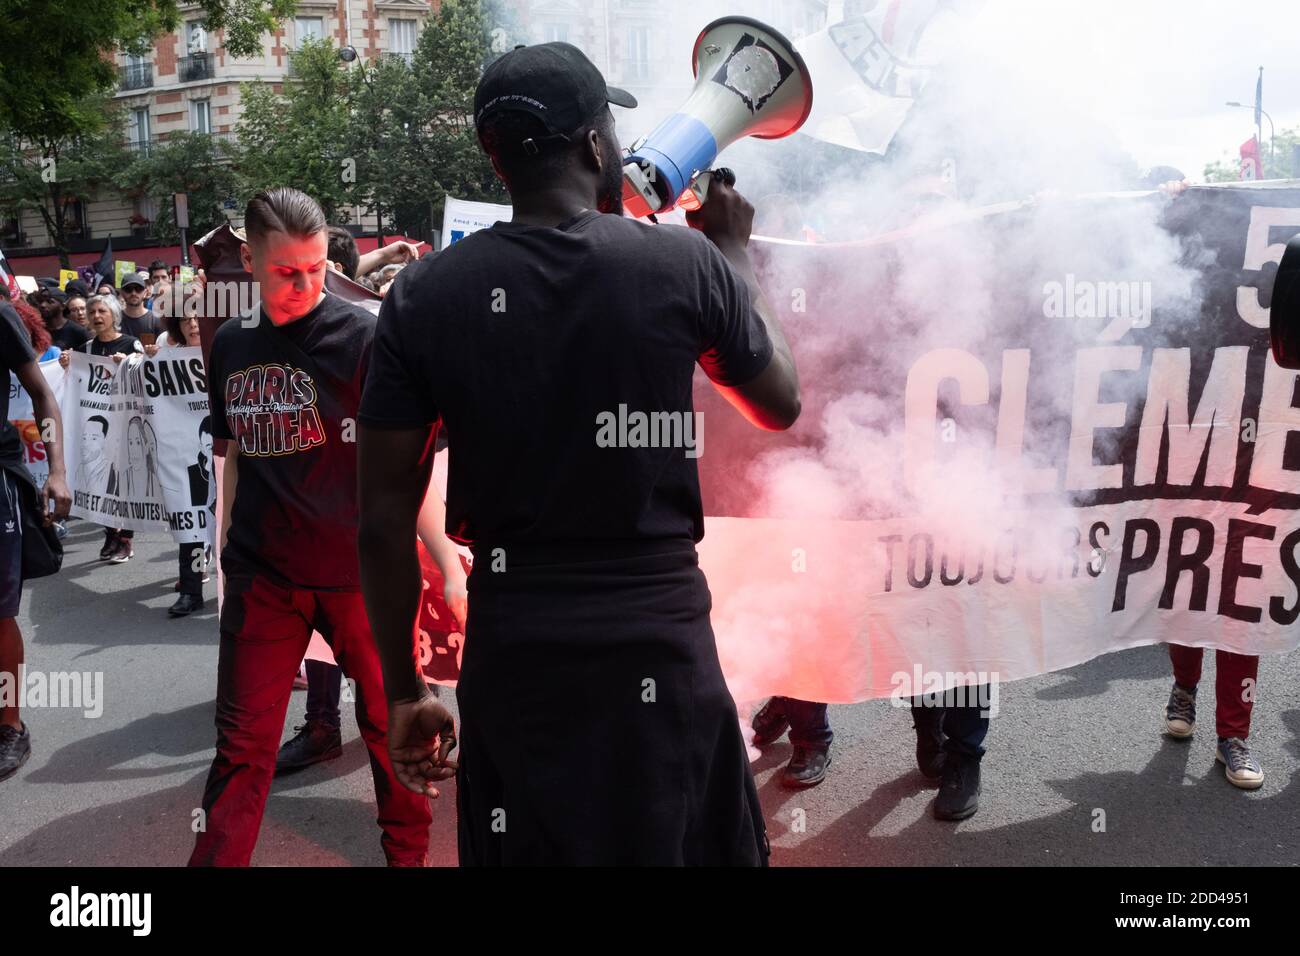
(806, 768)
(770, 722)
(930, 756)
(959, 794)
(110, 545)
(1180, 712)
(15, 748)
(315, 742)
(185, 604)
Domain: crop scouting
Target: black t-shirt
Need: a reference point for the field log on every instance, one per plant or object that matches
(69, 336)
(146, 324)
(15, 352)
(295, 512)
(536, 345)
(124, 344)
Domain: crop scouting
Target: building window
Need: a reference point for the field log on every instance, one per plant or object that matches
(142, 216)
(196, 37)
(401, 38)
(308, 27)
(201, 116)
(74, 219)
(11, 231)
(138, 131)
(638, 53)
(137, 74)
(556, 33)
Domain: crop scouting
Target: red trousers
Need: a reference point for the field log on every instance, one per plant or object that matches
(265, 630)
(1234, 697)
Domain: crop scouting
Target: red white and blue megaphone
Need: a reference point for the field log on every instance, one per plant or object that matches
(749, 81)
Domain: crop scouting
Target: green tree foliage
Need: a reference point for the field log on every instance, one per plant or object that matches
(302, 136)
(197, 164)
(49, 171)
(58, 54)
(414, 132)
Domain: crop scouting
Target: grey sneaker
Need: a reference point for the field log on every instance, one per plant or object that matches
(15, 748)
(1241, 769)
(1180, 713)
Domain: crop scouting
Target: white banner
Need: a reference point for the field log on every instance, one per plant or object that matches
(866, 73)
(24, 419)
(138, 445)
(1030, 436)
(460, 217)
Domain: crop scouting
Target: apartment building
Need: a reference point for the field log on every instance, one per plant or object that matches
(188, 82)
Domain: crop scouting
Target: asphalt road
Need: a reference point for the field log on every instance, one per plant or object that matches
(120, 789)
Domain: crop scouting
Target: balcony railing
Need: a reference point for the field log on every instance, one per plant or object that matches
(146, 147)
(136, 76)
(196, 66)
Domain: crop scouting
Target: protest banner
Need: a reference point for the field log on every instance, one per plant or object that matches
(138, 444)
(1030, 436)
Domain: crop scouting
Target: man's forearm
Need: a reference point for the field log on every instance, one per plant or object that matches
(392, 587)
(431, 527)
(738, 255)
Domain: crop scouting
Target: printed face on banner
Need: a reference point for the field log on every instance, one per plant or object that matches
(142, 453)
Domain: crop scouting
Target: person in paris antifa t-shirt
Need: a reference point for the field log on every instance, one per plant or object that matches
(284, 388)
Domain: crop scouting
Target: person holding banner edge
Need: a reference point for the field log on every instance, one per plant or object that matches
(105, 316)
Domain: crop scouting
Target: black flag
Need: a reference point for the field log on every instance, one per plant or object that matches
(104, 267)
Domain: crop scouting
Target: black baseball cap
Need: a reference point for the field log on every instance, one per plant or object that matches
(553, 81)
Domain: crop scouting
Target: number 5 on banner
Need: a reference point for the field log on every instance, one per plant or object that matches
(1259, 252)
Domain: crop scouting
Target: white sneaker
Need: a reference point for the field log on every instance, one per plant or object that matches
(1241, 769)
(1180, 713)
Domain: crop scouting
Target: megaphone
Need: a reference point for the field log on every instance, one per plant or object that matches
(749, 81)
(1284, 311)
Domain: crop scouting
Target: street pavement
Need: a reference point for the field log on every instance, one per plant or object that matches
(1077, 772)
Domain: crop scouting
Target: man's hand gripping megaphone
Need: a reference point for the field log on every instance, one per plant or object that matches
(724, 215)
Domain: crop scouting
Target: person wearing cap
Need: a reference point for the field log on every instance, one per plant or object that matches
(64, 332)
(137, 320)
(523, 341)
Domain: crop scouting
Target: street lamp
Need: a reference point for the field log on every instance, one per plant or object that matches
(1272, 135)
(348, 54)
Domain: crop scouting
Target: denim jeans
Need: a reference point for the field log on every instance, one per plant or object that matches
(963, 727)
(809, 726)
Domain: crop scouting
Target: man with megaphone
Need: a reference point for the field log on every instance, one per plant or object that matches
(596, 725)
